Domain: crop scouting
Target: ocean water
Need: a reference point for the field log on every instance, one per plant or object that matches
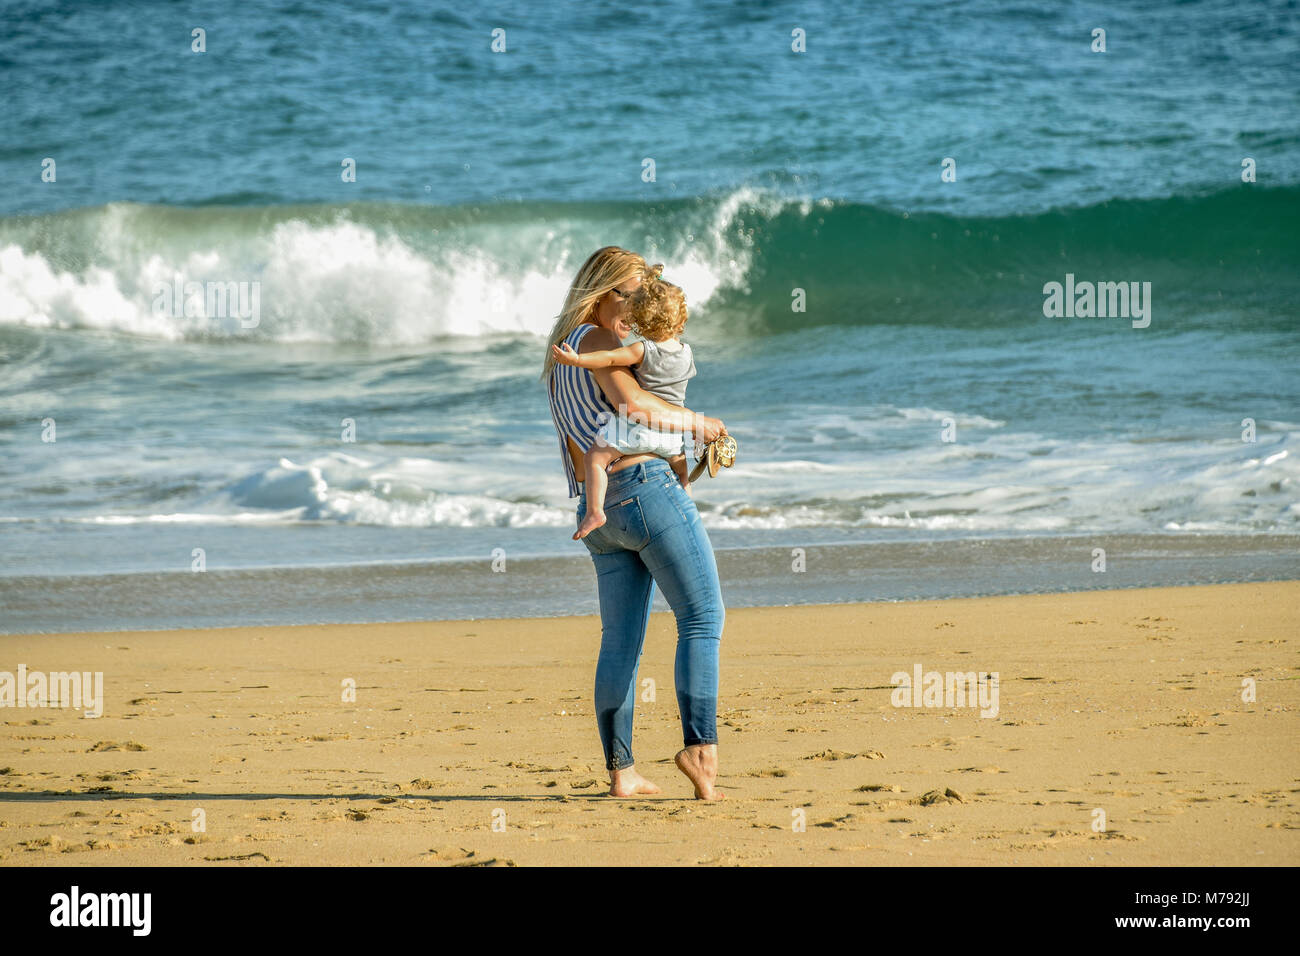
(375, 403)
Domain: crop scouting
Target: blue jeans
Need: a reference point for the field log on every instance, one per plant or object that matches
(653, 535)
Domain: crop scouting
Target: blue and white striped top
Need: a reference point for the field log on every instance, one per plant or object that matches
(578, 407)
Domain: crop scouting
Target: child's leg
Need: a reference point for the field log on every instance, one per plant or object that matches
(678, 464)
(599, 458)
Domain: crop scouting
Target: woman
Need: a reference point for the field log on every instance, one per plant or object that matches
(652, 534)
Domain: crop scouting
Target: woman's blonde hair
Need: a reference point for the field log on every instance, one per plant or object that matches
(657, 309)
(605, 269)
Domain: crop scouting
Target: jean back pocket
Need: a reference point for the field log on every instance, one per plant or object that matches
(624, 528)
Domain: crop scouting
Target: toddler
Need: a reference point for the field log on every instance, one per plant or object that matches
(663, 364)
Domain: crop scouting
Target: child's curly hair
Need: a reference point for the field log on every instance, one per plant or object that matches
(657, 309)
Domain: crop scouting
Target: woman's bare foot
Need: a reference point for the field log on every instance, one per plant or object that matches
(590, 523)
(628, 783)
(700, 763)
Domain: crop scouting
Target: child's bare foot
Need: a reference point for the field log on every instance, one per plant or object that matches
(700, 764)
(590, 523)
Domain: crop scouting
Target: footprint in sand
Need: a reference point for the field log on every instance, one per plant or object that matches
(154, 829)
(845, 755)
(838, 821)
(947, 795)
(540, 768)
(494, 861)
(448, 854)
(56, 844)
(727, 857)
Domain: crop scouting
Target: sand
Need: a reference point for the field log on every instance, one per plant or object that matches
(473, 742)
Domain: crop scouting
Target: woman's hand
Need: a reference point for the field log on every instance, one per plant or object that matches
(707, 429)
(564, 354)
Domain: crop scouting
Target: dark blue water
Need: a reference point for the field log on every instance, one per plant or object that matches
(585, 91)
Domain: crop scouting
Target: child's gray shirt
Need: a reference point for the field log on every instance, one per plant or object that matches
(664, 371)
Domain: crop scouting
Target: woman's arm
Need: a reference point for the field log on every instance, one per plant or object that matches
(604, 358)
(626, 394)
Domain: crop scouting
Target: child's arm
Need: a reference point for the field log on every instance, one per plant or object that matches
(627, 355)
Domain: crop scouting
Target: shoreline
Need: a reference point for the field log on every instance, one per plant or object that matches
(773, 575)
(1124, 701)
(658, 611)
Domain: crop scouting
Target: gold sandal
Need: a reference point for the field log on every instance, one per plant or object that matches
(724, 450)
(719, 453)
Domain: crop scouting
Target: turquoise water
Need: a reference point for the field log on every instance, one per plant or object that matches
(413, 302)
